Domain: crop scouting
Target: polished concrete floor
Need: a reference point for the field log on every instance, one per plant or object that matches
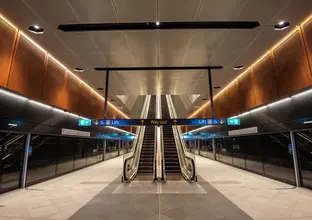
(222, 192)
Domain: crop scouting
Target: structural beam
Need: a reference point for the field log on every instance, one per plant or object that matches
(157, 68)
(106, 94)
(183, 25)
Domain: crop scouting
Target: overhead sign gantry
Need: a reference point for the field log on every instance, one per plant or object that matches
(159, 122)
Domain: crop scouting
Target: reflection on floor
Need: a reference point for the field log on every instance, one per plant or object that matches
(222, 192)
(143, 200)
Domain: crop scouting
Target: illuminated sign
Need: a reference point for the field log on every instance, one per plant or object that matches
(84, 123)
(233, 121)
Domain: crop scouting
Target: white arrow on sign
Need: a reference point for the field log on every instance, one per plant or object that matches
(222, 121)
(96, 122)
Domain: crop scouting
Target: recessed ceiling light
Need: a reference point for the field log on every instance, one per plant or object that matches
(78, 70)
(281, 25)
(157, 23)
(120, 107)
(35, 29)
(238, 67)
(217, 87)
(100, 89)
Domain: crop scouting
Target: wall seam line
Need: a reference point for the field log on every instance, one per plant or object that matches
(12, 56)
(305, 46)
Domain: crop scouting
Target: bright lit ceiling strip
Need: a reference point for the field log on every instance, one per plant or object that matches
(118, 129)
(61, 64)
(53, 108)
(290, 34)
(264, 107)
(8, 22)
(32, 41)
(307, 122)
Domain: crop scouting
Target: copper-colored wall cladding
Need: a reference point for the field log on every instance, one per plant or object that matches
(291, 66)
(28, 69)
(72, 95)
(264, 82)
(8, 36)
(285, 70)
(307, 37)
(246, 91)
(85, 101)
(54, 85)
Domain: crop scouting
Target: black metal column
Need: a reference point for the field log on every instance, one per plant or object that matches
(106, 94)
(211, 94)
(212, 111)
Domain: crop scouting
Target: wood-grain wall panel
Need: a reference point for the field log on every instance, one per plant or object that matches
(7, 40)
(291, 65)
(85, 102)
(54, 84)
(307, 36)
(246, 92)
(72, 95)
(28, 69)
(233, 100)
(264, 81)
(223, 104)
(217, 107)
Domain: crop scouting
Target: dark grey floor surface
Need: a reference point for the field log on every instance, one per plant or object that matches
(206, 203)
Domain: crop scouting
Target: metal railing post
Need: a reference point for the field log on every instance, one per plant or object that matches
(104, 148)
(295, 159)
(25, 161)
(213, 141)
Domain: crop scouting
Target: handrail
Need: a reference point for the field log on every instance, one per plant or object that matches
(131, 163)
(155, 155)
(163, 169)
(187, 163)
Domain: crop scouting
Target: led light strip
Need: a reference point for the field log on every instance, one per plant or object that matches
(280, 42)
(60, 64)
(118, 129)
(53, 108)
(263, 107)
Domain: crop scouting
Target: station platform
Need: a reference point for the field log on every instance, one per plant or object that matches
(222, 192)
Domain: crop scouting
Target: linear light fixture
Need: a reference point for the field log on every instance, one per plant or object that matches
(118, 129)
(32, 41)
(8, 22)
(53, 108)
(59, 63)
(265, 106)
(13, 95)
(40, 104)
(290, 34)
(307, 122)
(58, 110)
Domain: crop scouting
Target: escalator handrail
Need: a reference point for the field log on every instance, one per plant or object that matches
(134, 155)
(183, 149)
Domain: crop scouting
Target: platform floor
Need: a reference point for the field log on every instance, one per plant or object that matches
(222, 192)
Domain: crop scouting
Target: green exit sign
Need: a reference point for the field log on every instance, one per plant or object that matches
(233, 121)
(84, 122)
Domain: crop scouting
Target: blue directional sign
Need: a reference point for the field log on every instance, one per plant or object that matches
(233, 121)
(158, 122)
(84, 123)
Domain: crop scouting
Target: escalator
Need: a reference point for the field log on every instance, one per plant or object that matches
(146, 163)
(172, 164)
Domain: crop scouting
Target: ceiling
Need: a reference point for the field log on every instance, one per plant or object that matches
(157, 47)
